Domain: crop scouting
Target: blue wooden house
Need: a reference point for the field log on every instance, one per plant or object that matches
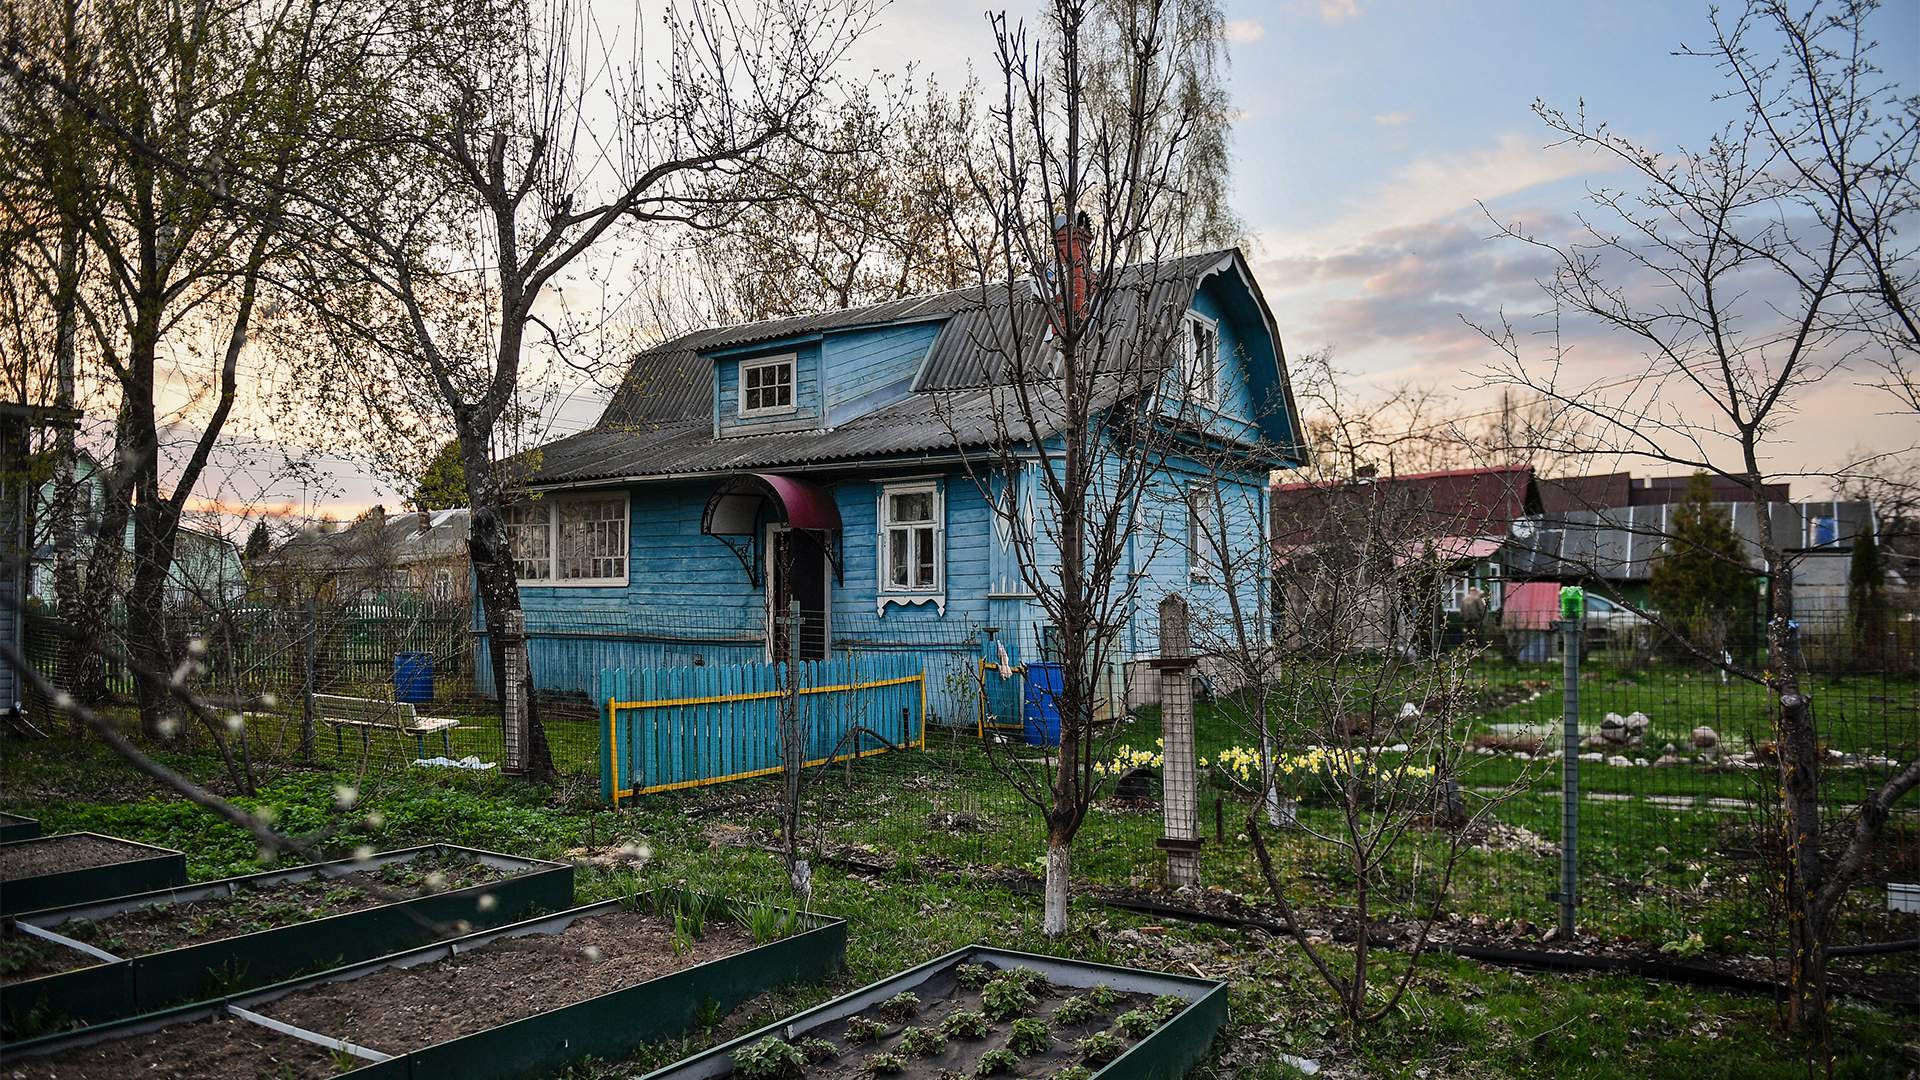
(831, 461)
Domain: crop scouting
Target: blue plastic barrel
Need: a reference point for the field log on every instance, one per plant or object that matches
(413, 678)
(1041, 712)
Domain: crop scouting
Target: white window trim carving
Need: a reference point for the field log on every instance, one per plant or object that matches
(884, 591)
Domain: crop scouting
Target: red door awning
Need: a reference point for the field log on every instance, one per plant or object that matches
(743, 500)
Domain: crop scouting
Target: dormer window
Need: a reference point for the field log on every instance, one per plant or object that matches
(766, 386)
(1198, 363)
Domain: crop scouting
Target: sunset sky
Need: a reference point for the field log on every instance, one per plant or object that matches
(1367, 135)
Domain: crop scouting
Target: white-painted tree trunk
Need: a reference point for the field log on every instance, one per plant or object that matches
(1275, 815)
(1055, 922)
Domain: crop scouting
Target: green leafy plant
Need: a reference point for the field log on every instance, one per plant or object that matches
(1686, 948)
(923, 1041)
(1029, 979)
(1136, 1024)
(1074, 1072)
(966, 1024)
(1030, 1037)
(1078, 1009)
(1003, 997)
(1104, 996)
(1000, 1060)
(901, 1006)
(769, 921)
(817, 1050)
(1099, 1047)
(1167, 1006)
(768, 1059)
(972, 976)
(862, 1029)
(885, 1062)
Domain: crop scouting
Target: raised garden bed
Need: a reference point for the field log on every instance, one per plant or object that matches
(981, 1012)
(14, 827)
(78, 867)
(90, 963)
(521, 1000)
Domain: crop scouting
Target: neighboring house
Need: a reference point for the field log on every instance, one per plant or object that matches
(823, 461)
(206, 571)
(1459, 518)
(18, 481)
(1609, 530)
(419, 555)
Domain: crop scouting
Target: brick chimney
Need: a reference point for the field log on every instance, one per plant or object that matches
(1070, 243)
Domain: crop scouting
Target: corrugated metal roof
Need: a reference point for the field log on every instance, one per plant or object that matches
(923, 423)
(659, 421)
(671, 381)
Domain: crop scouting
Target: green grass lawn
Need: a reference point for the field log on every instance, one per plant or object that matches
(1461, 1019)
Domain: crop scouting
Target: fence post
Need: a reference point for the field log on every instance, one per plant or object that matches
(513, 690)
(793, 749)
(1573, 616)
(1179, 784)
(306, 682)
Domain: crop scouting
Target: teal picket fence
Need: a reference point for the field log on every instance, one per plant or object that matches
(665, 729)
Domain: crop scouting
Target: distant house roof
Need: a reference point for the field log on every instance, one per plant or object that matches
(659, 421)
(1467, 512)
(1611, 491)
(378, 540)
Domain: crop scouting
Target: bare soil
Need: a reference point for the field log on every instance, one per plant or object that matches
(265, 907)
(23, 957)
(405, 1009)
(170, 926)
(941, 996)
(67, 851)
(220, 1047)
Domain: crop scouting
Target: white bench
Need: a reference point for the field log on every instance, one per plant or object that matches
(368, 714)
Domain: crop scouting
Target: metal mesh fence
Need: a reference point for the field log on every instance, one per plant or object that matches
(1677, 779)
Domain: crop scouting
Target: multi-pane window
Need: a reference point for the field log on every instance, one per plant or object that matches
(766, 386)
(1202, 519)
(578, 541)
(442, 584)
(910, 537)
(530, 534)
(592, 539)
(1199, 367)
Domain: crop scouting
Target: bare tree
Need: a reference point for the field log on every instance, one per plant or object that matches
(1355, 708)
(522, 138)
(1747, 273)
(1081, 303)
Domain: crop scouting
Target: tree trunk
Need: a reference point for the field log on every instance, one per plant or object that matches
(154, 533)
(499, 593)
(1059, 855)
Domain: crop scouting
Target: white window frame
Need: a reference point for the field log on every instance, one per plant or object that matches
(1202, 561)
(886, 591)
(790, 361)
(1193, 389)
(553, 504)
(442, 584)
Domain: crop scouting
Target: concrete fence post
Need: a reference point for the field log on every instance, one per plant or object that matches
(1179, 778)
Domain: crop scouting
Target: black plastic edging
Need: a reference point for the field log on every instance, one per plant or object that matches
(1647, 967)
